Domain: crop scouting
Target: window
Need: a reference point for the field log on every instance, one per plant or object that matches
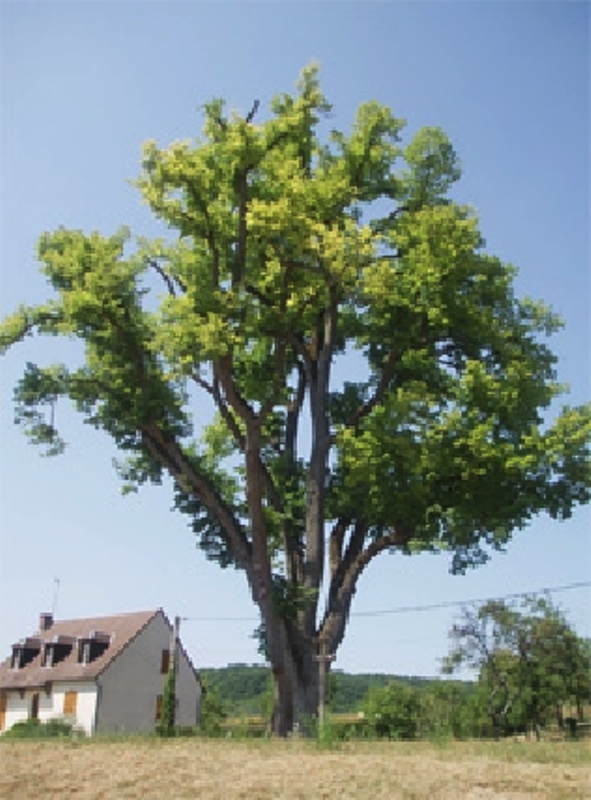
(158, 707)
(92, 647)
(165, 662)
(70, 702)
(24, 652)
(60, 650)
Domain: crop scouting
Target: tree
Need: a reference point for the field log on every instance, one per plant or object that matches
(530, 661)
(288, 254)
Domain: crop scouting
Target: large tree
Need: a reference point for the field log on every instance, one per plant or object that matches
(290, 252)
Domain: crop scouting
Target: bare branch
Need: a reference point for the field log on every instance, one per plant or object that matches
(253, 111)
(170, 283)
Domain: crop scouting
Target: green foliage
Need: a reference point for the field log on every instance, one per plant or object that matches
(213, 710)
(450, 709)
(244, 690)
(393, 711)
(166, 725)
(530, 662)
(434, 315)
(346, 691)
(35, 729)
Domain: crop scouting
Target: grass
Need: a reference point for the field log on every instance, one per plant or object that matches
(151, 769)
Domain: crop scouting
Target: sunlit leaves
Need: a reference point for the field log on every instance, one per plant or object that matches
(289, 249)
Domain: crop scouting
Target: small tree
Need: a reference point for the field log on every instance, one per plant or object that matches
(529, 660)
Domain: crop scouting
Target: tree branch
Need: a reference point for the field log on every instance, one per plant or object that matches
(253, 111)
(343, 589)
(167, 278)
(377, 397)
(167, 452)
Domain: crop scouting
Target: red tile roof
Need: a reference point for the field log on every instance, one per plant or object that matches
(122, 629)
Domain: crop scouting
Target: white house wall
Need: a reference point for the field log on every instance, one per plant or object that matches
(17, 708)
(130, 686)
(86, 696)
(51, 705)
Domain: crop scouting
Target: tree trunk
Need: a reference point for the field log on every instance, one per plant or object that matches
(296, 694)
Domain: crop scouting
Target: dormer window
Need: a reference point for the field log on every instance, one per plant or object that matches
(57, 650)
(17, 653)
(93, 646)
(24, 652)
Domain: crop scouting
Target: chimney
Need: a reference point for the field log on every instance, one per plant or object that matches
(45, 621)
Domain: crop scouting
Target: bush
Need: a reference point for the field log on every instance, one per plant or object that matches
(450, 710)
(34, 729)
(393, 711)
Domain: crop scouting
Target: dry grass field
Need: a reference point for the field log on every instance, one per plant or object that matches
(293, 770)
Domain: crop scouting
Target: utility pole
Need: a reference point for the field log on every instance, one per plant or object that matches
(323, 659)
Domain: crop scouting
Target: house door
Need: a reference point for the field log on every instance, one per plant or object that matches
(35, 706)
(3, 707)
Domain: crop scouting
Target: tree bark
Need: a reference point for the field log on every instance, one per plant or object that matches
(296, 692)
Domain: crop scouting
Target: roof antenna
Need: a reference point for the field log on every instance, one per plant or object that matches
(56, 589)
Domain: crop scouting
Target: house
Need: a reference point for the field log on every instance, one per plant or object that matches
(102, 674)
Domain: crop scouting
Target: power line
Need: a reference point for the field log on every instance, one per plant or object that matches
(473, 601)
(415, 609)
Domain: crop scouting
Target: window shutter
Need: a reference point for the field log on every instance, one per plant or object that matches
(70, 702)
(165, 662)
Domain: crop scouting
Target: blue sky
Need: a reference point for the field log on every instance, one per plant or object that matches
(84, 84)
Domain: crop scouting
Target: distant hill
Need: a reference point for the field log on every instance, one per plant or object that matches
(246, 689)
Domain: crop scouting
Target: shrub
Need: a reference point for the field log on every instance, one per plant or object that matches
(34, 729)
(213, 712)
(393, 711)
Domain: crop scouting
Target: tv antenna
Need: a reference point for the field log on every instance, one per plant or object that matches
(56, 589)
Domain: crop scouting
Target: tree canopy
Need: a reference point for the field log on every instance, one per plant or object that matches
(377, 384)
(529, 660)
